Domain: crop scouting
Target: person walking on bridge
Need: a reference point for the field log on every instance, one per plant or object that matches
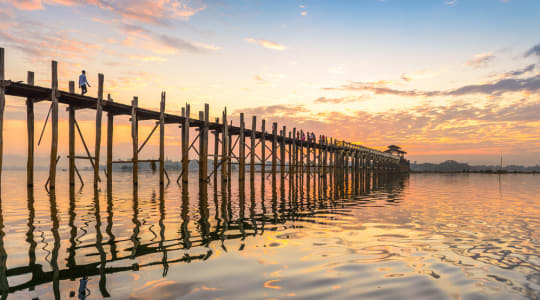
(83, 82)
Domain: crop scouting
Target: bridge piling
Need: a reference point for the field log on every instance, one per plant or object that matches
(110, 133)
(54, 126)
(30, 134)
(99, 110)
(135, 140)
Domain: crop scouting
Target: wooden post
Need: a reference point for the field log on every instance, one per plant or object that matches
(274, 148)
(162, 139)
(263, 151)
(185, 147)
(71, 121)
(252, 157)
(294, 149)
(135, 139)
(224, 148)
(54, 121)
(308, 153)
(2, 106)
(216, 152)
(30, 129)
(282, 152)
(302, 137)
(290, 155)
(242, 151)
(203, 144)
(110, 131)
(98, 129)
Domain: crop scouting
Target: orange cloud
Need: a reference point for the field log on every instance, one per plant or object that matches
(147, 11)
(266, 44)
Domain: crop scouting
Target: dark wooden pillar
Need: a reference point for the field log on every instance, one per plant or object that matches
(135, 139)
(185, 146)
(110, 132)
(252, 157)
(242, 151)
(30, 130)
(54, 126)
(203, 144)
(99, 112)
(162, 139)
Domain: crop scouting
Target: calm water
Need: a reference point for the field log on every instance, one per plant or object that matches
(416, 237)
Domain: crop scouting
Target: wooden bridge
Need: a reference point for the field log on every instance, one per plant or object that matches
(289, 152)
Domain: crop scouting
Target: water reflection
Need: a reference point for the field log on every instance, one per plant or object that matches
(332, 227)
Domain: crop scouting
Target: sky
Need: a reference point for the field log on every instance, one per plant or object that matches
(445, 80)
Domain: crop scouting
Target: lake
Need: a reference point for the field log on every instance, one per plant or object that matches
(417, 236)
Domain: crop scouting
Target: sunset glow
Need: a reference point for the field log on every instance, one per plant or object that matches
(443, 79)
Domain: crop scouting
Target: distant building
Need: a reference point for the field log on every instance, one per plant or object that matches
(396, 150)
(404, 164)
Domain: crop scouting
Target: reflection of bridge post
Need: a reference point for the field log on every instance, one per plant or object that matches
(73, 231)
(185, 217)
(56, 245)
(135, 220)
(108, 229)
(30, 233)
(99, 247)
(4, 284)
(162, 230)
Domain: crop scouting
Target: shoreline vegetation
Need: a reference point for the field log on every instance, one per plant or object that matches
(451, 166)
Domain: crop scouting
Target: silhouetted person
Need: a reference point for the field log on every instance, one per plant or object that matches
(83, 82)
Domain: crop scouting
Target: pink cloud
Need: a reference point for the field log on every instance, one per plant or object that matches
(148, 11)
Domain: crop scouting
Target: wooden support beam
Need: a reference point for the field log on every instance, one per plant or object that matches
(203, 143)
(162, 139)
(110, 133)
(30, 135)
(274, 148)
(185, 148)
(310, 149)
(290, 154)
(253, 154)
(71, 137)
(263, 150)
(224, 148)
(135, 139)
(282, 153)
(216, 153)
(242, 151)
(302, 142)
(99, 113)
(2, 107)
(54, 126)
(294, 150)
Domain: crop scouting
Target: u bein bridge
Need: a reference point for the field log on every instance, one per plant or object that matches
(289, 151)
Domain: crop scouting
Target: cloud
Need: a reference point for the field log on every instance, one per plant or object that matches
(496, 88)
(535, 50)
(450, 2)
(531, 84)
(147, 58)
(458, 127)
(147, 11)
(162, 43)
(518, 72)
(418, 75)
(266, 44)
(275, 110)
(340, 100)
(27, 4)
(304, 13)
(480, 60)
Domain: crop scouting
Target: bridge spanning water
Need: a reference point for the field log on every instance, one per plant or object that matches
(276, 152)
